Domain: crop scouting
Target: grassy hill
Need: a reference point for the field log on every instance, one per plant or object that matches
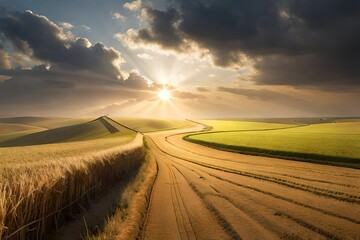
(44, 122)
(98, 128)
(151, 125)
(10, 128)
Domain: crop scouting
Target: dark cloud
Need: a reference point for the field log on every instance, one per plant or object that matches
(136, 81)
(162, 28)
(266, 95)
(309, 102)
(307, 70)
(262, 94)
(34, 34)
(43, 92)
(67, 73)
(283, 38)
(40, 68)
(59, 84)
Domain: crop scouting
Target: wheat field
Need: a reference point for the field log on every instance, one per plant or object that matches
(58, 180)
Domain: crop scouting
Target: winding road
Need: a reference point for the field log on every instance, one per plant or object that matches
(204, 193)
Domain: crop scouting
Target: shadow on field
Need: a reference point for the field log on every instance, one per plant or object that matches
(91, 217)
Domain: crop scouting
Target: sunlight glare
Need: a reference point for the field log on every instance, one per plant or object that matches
(164, 94)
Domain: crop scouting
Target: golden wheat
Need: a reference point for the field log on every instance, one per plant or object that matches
(46, 192)
(129, 218)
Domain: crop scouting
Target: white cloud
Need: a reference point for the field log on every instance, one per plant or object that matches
(133, 6)
(145, 56)
(117, 16)
(87, 28)
(66, 25)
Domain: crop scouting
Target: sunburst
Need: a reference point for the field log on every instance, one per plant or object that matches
(164, 94)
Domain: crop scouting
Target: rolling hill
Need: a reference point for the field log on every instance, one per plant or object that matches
(98, 128)
(44, 122)
(151, 125)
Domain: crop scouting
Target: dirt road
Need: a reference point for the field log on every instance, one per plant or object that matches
(203, 193)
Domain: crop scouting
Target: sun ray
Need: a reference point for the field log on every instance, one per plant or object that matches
(164, 94)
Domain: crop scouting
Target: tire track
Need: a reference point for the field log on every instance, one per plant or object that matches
(307, 225)
(218, 216)
(310, 180)
(315, 190)
(289, 200)
(182, 216)
(241, 209)
(298, 221)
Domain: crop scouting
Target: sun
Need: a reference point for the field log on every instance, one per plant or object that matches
(164, 94)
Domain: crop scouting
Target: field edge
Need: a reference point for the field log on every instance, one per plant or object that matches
(129, 223)
(286, 155)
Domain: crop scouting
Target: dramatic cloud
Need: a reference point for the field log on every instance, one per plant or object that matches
(34, 34)
(279, 38)
(133, 6)
(44, 70)
(44, 92)
(261, 94)
(162, 29)
(136, 81)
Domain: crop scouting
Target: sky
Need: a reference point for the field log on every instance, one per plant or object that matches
(218, 59)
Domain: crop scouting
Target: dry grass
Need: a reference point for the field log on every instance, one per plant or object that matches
(129, 218)
(47, 192)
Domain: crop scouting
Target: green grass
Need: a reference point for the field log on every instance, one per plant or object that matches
(10, 128)
(328, 142)
(10, 131)
(44, 122)
(297, 121)
(99, 128)
(224, 125)
(23, 131)
(151, 125)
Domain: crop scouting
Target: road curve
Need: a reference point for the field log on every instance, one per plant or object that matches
(203, 193)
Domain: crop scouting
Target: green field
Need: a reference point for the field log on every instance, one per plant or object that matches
(226, 125)
(327, 142)
(23, 131)
(11, 128)
(94, 129)
(44, 122)
(152, 125)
